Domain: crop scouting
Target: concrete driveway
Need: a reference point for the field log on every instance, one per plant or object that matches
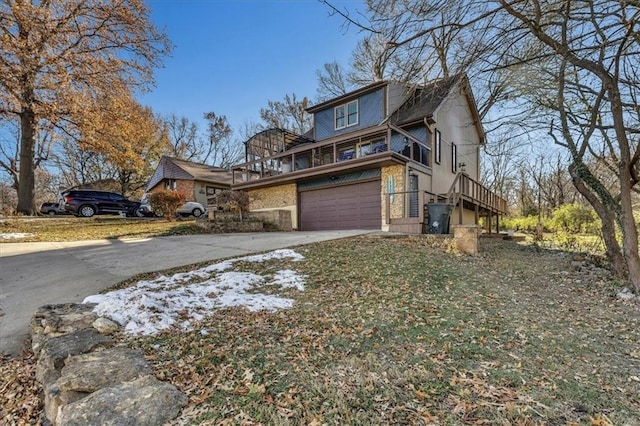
(37, 274)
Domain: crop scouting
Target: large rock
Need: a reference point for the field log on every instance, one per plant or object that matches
(56, 350)
(83, 374)
(105, 325)
(56, 320)
(101, 369)
(145, 401)
(54, 398)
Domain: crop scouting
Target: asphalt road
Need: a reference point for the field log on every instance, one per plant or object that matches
(37, 274)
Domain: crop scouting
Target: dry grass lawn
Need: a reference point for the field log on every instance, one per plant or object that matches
(403, 331)
(69, 228)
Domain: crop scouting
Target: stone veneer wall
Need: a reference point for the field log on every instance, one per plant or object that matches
(281, 197)
(392, 179)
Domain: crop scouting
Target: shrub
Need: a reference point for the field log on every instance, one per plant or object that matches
(233, 201)
(575, 218)
(166, 202)
(525, 223)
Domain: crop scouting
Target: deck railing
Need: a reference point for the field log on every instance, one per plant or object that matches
(411, 204)
(467, 189)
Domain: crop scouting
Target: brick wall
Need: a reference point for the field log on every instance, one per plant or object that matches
(187, 187)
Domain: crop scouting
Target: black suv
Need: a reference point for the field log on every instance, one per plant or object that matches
(87, 202)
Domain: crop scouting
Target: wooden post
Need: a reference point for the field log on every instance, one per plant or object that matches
(489, 221)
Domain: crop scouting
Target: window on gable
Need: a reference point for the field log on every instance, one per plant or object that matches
(438, 148)
(170, 184)
(454, 158)
(352, 113)
(346, 115)
(339, 112)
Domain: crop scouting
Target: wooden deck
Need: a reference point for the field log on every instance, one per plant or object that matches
(464, 192)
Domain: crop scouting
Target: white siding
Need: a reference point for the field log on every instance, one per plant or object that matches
(455, 122)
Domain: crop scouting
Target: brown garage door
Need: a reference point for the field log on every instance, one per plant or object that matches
(355, 206)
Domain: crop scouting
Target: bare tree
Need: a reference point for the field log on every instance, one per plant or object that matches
(57, 56)
(566, 66)
(10, 148)
(289, 114)
(592, 91)
(184, 137)
(223, 150)
(332, 81)
(80, 166)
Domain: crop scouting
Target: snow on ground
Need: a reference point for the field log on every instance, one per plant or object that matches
(152, 306)
(15, 236)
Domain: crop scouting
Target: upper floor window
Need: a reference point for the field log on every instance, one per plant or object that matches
(346, 115)
(454, 158)
(438, 148)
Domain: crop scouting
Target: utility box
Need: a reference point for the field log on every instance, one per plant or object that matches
(439, 217)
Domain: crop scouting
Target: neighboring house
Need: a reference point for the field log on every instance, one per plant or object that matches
(375, 159)
(199, 182)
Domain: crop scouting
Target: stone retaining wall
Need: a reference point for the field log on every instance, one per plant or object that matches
(88, 379)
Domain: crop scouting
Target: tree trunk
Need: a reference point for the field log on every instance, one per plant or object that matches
(607, 217)
(629, 229)
(26, 183)
(614, 253)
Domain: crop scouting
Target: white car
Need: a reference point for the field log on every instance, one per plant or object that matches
(191, 208)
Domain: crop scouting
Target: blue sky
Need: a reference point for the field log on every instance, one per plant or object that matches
(231, 57)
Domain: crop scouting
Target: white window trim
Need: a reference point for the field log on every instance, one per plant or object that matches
(438, 148)
(454, 158)
(345, 106)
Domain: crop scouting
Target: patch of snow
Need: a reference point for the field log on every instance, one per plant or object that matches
(15, 236)
(289, 279)
(151, 306)
(625, 294)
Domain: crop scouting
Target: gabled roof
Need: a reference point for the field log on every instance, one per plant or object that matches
(421, 102)
(173, 168)
(425, 100)
(347, 97)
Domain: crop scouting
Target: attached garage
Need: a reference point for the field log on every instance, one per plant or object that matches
(347, 206)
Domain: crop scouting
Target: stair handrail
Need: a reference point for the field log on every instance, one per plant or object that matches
(451, 194)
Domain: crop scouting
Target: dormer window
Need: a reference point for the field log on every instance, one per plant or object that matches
(346, 115)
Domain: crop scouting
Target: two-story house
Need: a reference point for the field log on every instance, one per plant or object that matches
(376, 158)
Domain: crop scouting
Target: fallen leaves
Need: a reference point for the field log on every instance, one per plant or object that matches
(394, 331)
(20, 401)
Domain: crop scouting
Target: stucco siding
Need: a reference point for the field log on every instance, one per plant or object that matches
(455, 123)
(397, 94)
(468, 217)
